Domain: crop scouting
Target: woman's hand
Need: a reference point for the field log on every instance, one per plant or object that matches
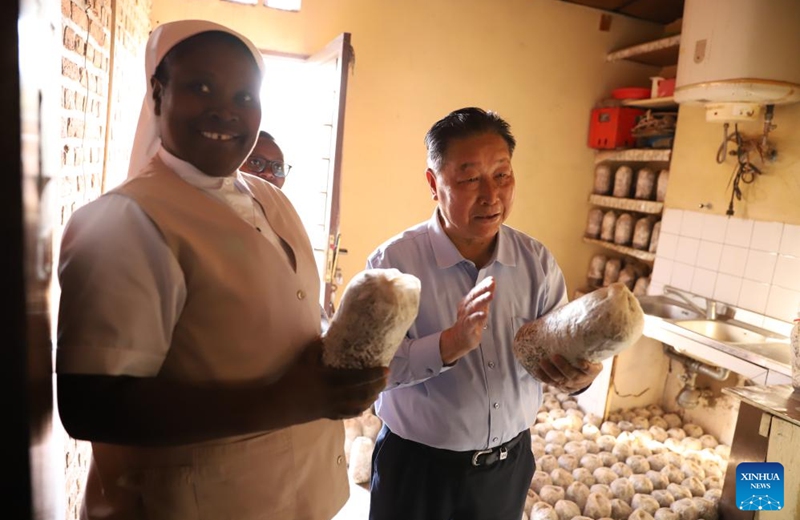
(321, 392)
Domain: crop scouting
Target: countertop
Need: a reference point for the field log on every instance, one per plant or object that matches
(778, 400)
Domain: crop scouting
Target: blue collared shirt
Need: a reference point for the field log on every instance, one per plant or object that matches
(487, 397)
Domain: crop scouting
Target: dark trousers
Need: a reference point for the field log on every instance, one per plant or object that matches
(411, 481)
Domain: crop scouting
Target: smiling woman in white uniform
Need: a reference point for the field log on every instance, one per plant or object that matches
(188, 334)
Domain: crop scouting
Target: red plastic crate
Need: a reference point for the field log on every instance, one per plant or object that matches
(611, 127)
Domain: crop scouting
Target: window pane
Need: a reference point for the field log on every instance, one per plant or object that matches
(286, 5)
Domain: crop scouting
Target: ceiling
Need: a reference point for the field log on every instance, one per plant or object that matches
(659, 11)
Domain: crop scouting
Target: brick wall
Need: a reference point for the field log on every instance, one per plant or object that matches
(102, 70)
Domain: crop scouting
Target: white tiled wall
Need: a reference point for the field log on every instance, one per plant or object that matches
(751, 264)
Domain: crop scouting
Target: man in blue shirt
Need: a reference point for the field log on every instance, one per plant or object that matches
(457, 408)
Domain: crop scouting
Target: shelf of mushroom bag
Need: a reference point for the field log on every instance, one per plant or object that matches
(650, 207)
(607, 269)
(644, 256)
(634, 155)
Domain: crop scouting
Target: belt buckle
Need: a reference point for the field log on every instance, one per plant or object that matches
(503, 453)
(478, 454)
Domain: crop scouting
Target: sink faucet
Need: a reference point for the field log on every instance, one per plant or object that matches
(710, 312)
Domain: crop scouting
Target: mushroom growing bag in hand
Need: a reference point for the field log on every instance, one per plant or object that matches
(594, 327)
(377, 308)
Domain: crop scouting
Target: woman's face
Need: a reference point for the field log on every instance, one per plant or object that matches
(209, 109)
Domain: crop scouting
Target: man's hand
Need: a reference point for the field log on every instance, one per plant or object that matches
(558, 372)
(331, 393)
(473, 313)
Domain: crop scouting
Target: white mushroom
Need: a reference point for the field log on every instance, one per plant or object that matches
(605, 475)
(657, 462)
(609, 459)
(561, 477)
(695, 486)
(551, 494)
(593, 419)
(673, 421)
(591, 462)
(659, 433)
(584, 476)
(693, 430)
(663, 497)
(659, 422)
(610, 428)
(641, 484)
(539, 480)
(555, 437)
(547, 463)
(645, 502)
(568, 462)
(597, 506)
(640, 514)
(686, 509)
(543, 511)
(567, 509)
(679, 492)
(659, 480)
(665, 513)
(622, 489)
(708, 441)
(622, 450)
(622, 470)
(620, 510)
(707, 509)
(675, 475)
(590, 431)
(638, 464)
(575, 448)
(578, 492)
(603, 489)
(606, 442)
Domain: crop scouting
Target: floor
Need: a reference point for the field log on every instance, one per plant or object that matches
(357, 508)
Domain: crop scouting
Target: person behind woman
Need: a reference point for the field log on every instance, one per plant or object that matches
(266, 161)
(188, 333)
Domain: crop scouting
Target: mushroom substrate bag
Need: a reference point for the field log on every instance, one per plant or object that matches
(594, 327)
(377, 308)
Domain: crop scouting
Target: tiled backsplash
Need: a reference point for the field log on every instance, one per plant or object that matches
(751, 264)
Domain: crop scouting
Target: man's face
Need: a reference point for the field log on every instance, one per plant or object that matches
(474, 189)
(209, 111)
(265, 151)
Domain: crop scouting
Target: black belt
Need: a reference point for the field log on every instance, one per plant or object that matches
(490, 456)
(477, 458)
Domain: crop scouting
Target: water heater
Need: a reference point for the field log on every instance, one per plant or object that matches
(738, 55)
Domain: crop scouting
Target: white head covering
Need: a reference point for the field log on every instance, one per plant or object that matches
(163, 38)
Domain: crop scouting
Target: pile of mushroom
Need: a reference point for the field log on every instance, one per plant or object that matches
(639, 464)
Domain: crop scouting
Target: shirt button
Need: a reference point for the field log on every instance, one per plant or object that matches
(301, 295)
(491, 364)
(496, 405)
(495, 439)
(339, 460)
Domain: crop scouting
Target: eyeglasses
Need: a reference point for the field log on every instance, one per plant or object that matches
(259, 165)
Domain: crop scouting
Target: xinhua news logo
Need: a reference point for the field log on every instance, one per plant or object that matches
(759, 486)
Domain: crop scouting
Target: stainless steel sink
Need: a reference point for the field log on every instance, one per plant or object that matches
(728, 332)
(667, 308)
